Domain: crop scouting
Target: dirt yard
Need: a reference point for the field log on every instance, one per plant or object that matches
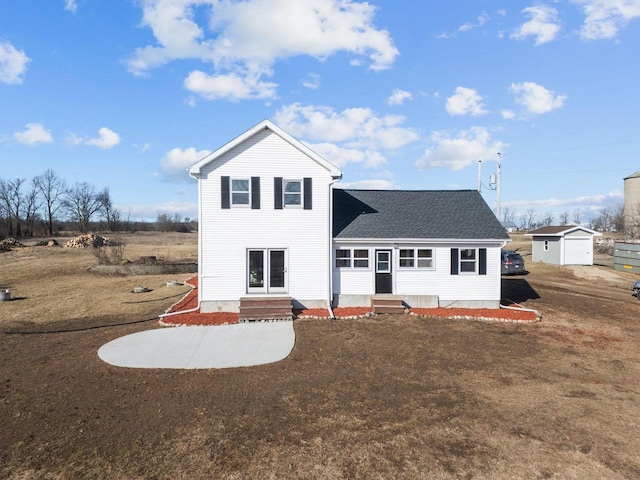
(383, 397)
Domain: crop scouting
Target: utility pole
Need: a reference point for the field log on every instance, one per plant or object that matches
(498, 175)
(480, 176)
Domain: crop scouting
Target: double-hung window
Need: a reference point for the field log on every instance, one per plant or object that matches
(468, 260)
(292, 193)
(343, 258)
(416, 258)
(240, 191)
(348, 258)
(546, 245)
(407, 258)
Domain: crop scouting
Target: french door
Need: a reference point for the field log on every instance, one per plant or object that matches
(267, 270)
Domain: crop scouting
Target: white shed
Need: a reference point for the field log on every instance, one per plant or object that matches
(563, 245)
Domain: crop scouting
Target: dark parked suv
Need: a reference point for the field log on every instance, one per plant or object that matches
(512, 263)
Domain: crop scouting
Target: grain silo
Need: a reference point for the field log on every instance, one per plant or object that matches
(632, 204)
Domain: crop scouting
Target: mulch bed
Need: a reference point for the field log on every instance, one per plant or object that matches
(190, 301)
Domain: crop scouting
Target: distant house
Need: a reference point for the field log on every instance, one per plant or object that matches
(273, 225)
(563, 245)
(510, 227)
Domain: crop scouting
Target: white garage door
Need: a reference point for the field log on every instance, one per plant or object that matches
(578, 251)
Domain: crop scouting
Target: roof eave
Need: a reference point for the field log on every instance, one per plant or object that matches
(420, 240)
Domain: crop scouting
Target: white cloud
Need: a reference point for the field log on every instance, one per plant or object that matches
(398, 97)
(107, 139)
(177, 161)
(482, 19)
(374, 184)
(459, 152)
(507, 114)
(605, 18)
(585, 200)
(536, 98)
(71, 6)
(355, 135)
(35, 133)
(150, 212)
(465, 101)
(311, 81)
(544, 24)
(341, 156)
(13, 64)
(243, 40)
(231, 86)
(354, 127)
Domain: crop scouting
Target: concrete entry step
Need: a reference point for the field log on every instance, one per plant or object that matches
(385, 303)
(265, 308)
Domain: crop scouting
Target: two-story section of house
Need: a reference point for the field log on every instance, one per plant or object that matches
(264, 212)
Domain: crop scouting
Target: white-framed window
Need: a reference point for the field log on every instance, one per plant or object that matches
(468, 260)
(348, 258)
(546, 245)
(425, 258)
(360, 258)
(343, 258)
(240, 191)
(416, 258)
(407, 257)
(292, 193)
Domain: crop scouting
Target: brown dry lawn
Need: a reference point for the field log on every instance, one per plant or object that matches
(383, 397)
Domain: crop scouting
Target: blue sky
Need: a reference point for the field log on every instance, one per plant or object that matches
(407, 94)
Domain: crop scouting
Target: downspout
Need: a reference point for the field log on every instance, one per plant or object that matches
(197, 307)
(330, 242)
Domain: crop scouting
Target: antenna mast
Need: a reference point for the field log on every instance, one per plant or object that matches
(480, 176)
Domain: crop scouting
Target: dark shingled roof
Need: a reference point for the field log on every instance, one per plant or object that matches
(428, 214)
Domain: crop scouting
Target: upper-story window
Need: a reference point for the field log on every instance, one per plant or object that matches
(240, 191)
(292, 193)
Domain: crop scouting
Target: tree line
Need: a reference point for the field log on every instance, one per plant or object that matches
(610, 219)
(47, 204)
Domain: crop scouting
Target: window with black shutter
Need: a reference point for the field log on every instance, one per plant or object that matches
(225, 198)
(255, 193)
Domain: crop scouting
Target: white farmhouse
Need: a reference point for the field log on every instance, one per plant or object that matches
(273, 226)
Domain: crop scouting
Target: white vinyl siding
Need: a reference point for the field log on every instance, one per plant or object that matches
(227, 234)
(436, 280)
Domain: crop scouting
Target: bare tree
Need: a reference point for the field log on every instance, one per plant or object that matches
(548, 218)
(528, 219)
(508, 214)
(52, 189)
(110, 214)
(563, 217)
(30, 205)
(81, 203)
(11, 198)
(577, 216)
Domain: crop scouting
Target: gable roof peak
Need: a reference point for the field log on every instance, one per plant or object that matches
(196, 168)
